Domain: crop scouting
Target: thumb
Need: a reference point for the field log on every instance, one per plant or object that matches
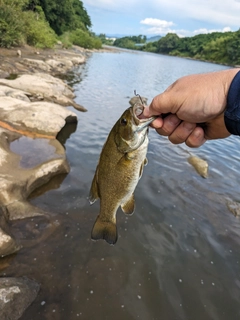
(162, 104)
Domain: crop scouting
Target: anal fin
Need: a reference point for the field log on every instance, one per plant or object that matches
(129, 206)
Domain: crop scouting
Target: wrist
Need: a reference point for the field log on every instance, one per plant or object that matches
(232, 112)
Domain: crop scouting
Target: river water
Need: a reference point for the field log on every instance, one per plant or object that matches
(178, 256)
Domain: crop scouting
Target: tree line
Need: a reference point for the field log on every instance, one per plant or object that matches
(41, 23)
(216, 47)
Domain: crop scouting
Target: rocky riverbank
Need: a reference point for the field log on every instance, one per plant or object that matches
(33, 101)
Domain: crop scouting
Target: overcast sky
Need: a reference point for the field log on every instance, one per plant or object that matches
(149, 17)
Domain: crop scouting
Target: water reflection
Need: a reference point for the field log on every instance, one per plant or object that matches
(178, 256)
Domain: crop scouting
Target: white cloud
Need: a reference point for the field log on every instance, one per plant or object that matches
(157, 26)
(162, 27)
(157, 23)
(184, 17)
(215, 11)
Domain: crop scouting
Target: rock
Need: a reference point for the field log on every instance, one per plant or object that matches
(234, 207)
(3, 74)
(36, 64)
(137, 99)
(19, 53)
(45, 85)
(200, 165)
(60, 63)
(8, 244)
(14, 93)
(16, 294)
(78, 60)
(34, 118)
(18, 182)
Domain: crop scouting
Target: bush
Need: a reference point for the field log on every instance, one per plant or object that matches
(84, 39)
(65, 39)
(18, 27)
(37, 30)
(11, 26)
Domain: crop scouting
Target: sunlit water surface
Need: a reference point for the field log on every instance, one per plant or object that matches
(178, 256)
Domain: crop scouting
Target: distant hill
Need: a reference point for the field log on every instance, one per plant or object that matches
(154, 38)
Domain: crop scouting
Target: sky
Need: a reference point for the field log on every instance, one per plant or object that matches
(159, 17)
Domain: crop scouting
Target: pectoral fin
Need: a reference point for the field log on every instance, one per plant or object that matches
(129, 206)
(106, 230)
(145, 162)
(94, 194)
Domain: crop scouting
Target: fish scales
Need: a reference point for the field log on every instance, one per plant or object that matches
(118, 171)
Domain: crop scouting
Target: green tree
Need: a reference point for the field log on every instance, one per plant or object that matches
(168, 43)
(64, 15)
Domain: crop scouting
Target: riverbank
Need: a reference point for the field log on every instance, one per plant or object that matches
(33, 101)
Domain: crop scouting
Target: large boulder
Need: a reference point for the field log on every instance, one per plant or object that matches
(14, 93)
(38, 118)
(44, 86)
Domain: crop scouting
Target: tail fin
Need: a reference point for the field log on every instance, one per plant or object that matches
(106, 230)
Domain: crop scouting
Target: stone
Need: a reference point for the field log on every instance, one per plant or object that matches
(38, 118)
(233, 207)
(16, 294)
(40, 83)
(14, 93)
(8, 245)
(18, 181)
(36, 64)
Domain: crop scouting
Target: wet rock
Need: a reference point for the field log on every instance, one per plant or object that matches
(233, 207)
(38, 118)
(17, 183)
(137, 99)
(200, 165)
(8, 245)
(16, 294)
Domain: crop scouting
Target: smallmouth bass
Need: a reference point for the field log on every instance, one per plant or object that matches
(119, 168)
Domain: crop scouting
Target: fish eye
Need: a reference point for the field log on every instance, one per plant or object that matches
(123, 121)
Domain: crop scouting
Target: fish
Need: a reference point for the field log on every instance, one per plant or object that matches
(200, 165)
(119, 169)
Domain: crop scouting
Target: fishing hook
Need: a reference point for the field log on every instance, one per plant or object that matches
(138, 95)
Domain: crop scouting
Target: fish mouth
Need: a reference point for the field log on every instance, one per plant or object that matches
(141, 123)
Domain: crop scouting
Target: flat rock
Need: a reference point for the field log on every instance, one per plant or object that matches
(14, 93)
(16, 294)
(36, 64)
(45, 85)
(38, 118)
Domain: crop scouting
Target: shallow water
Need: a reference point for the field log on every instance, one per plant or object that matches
(177, 257)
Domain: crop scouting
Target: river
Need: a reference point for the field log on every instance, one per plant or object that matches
(178, 256)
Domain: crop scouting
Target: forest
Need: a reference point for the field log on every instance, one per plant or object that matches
(215, 47)
(42, 23)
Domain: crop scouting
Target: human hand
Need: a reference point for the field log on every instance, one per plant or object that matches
(194, 107)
